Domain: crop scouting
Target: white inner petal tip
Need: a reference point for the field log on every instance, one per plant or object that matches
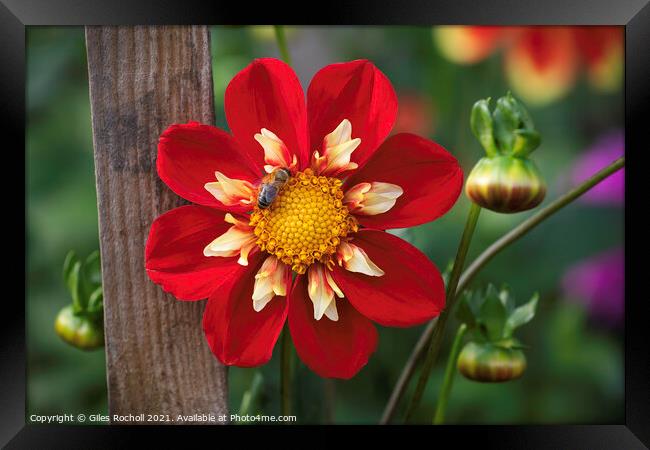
(270, 280)
(355, 259)
(323, 291)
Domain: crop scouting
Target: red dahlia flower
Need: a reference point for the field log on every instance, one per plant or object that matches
(325, 225)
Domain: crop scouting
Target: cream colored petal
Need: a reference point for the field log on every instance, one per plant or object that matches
(280, 279)
(353, 197)
(339, 157)
(262, 293)
(331, 313)
(322, 290)
(237, 222)
(320, 293)
(387, 190)
(376, 204)
(228, 244)
(270, 280)
(318, 162)
(341, 134)
(334, 156)
(235, 241)
(230, 191)
(355, 259)
(276, 153)
(245, 251)
(333, 285)
(380, 198)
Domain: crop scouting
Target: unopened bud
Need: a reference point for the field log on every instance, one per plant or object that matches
(78, 330)
(491, 363)
(506, 184)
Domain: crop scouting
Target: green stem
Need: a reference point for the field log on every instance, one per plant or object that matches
(250, 396)
(329, 392)
(285, 372)
(281, 38)
(436, 340)
(509, 238)
(523, 228)
(450, 372)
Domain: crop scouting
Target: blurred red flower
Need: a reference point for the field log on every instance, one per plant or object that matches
(319, 255)
(541, 63)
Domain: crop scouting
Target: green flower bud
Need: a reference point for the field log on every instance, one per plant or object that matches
(506, 181)
(482, 126)
(78, 330)
(491, 363)
(507, 119)
(505, 184)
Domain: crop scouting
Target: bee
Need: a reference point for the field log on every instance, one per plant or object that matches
(271, 185)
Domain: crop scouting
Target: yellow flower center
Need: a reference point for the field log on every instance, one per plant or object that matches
(306, 221)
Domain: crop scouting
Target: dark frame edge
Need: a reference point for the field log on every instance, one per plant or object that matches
(12, 115)
(637, 340)
(374, 12)
(591, 437)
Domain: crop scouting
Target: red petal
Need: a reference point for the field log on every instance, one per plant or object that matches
(174, 252)
(190, 154)
(267, 94)
(429, 175)
(236, 334)
(410, 292)
(356, 91)
(331, 349)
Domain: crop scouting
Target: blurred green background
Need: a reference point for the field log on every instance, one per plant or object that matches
(575, 372)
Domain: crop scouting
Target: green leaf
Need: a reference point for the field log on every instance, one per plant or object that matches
(96, 301)
(78, 303)
(93, 268)
(524, 118)
(475, 301)
(250, 399)
(511, 343)
(464, 313)
(506, 121)
(519, 346)
(492, 315)
(70, 259)
(525, 142)
(481, 124)
(506, 297)
(521, 315)
(447, 273)
(91, 276)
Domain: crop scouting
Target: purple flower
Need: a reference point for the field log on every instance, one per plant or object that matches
(599, 284)
(606, 149)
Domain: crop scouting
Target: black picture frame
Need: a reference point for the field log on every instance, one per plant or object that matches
(15, 15)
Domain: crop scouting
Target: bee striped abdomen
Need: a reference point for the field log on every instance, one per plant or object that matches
(267, 194)
(271, 186)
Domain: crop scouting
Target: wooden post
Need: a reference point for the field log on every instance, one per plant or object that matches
(142, 79)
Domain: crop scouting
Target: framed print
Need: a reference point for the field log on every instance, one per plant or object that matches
(402, 218)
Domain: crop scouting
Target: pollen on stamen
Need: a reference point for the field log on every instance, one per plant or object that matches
(305, 223)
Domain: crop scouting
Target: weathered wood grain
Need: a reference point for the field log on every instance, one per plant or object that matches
(142, 79)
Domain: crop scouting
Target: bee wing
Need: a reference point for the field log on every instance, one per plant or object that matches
(271, 189)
